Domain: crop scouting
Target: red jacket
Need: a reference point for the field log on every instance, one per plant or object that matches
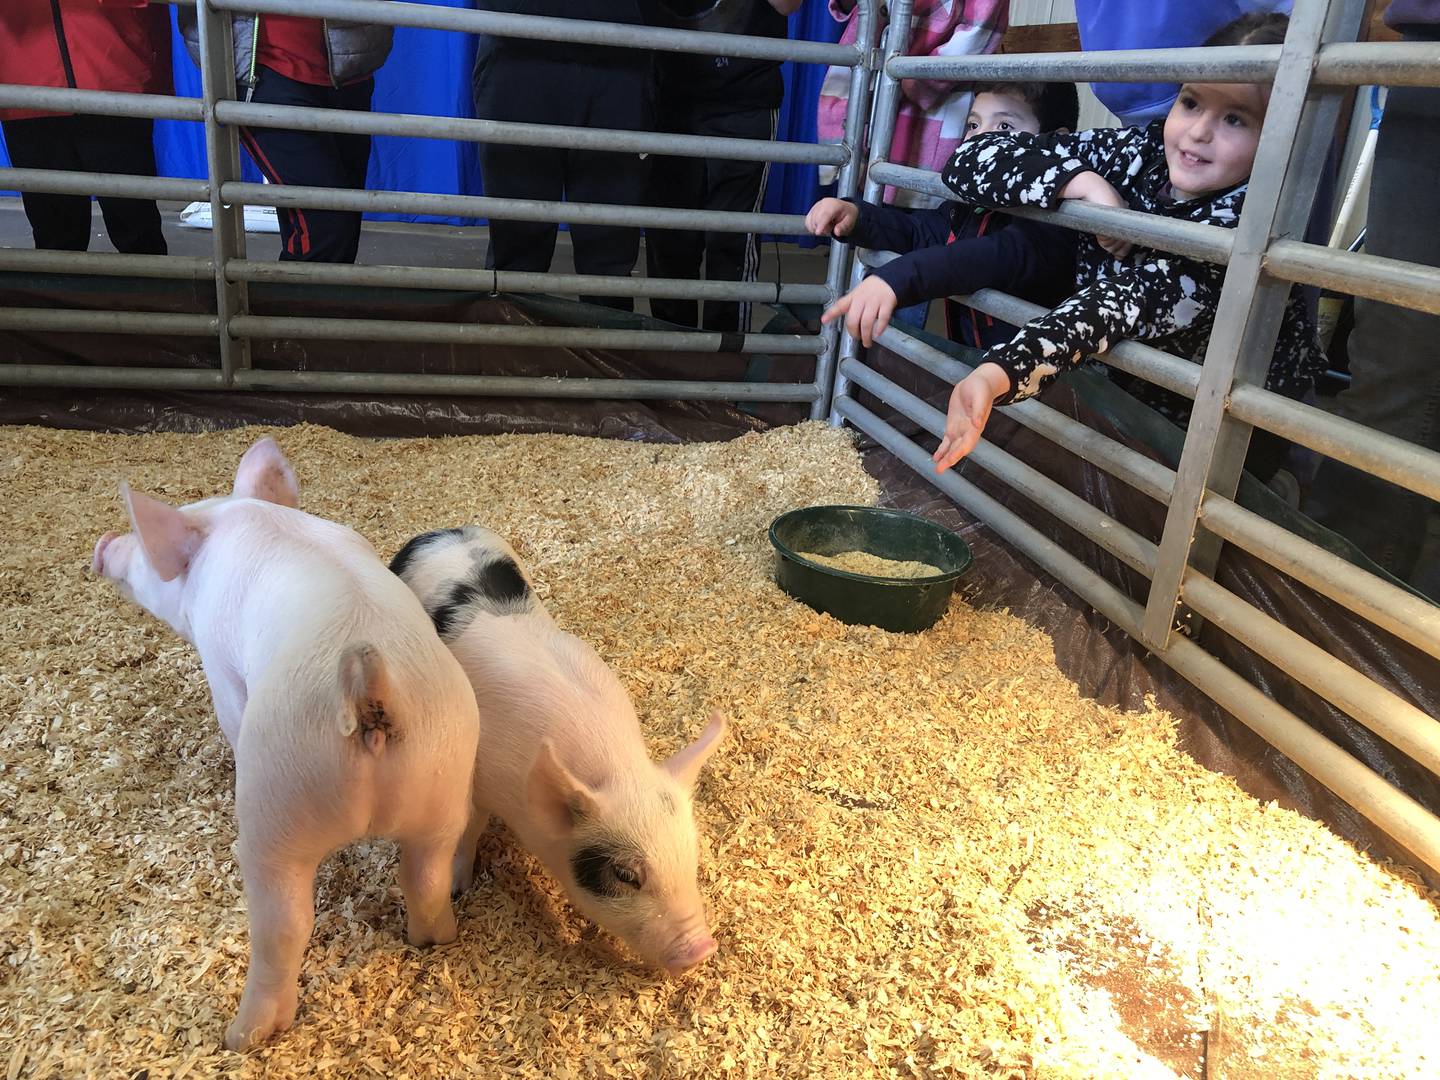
(119, 45)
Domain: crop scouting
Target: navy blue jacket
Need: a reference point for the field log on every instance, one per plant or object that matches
(956, 249)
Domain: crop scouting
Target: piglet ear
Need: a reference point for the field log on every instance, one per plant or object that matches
(687, 762)
(558, 799)
(265, 474)
(169, 537)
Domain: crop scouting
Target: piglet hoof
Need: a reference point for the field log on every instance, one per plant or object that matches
(252, 1027)
(440, 931)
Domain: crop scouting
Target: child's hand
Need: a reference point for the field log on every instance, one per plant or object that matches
(970, 404)
(1091, 187)
(832, 217)
(867, 309)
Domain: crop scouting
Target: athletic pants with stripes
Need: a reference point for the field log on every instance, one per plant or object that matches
(312, 159)
(707, 184)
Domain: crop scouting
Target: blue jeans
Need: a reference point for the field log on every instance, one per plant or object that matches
(1394, 352)
(914, 315)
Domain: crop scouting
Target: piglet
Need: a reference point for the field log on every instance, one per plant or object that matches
(347, 715)
(561, 759)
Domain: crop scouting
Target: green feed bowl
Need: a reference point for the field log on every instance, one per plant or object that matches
(905, 605)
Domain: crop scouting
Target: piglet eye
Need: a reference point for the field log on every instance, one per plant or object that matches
(627, 874)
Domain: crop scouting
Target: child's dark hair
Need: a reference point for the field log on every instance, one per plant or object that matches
(1056, 105)
(1257, 28)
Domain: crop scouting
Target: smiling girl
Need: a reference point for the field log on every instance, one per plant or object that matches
(1193, 165)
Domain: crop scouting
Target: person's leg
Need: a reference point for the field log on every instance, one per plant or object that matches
(306, 159)
(677, 182)
(734, 186)
(619, 98)
(58, 222)
(1394, 352)
(513, 84)
(123, 144)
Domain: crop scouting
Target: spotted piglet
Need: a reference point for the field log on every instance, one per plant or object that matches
(561, 758)
(347, 716)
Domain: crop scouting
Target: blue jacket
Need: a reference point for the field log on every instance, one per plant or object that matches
(955, 249)
(1153, 24)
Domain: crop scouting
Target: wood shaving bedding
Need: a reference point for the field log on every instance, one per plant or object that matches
(864, 562)
(923, 855)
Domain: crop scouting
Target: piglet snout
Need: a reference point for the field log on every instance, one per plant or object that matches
(689, 954)
(97, 561)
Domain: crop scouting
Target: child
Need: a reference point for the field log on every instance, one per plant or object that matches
(957, 248)
(930, 122)
(1193, 165)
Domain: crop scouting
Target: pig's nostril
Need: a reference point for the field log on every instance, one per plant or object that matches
(694, 952)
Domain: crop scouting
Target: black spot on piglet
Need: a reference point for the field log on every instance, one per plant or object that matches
(406, 555)
(453, 613)
(501, 582)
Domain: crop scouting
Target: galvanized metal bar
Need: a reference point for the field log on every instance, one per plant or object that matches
(1293, 143)
(1394, 812)
(1388, 606)
(1384, 63)
(1381, 711)
(106, 322)
(107, 264)
(1122, 542)
(1207, 242)
(360, 382)
(63, 99)
(883, 115)
(124, 186)
(1402, 613)
(222, 162)
(1404, 463)
(1143, 361)
(1340, 64)
(575, 213)
(541, 28)
(416, 125)
(1146, 476)
(838, 262)
(515, 281)
(84, 377)
(577, 337)
(1390, 458)
(1389, 280)
(1232, 63)
(1394, 719)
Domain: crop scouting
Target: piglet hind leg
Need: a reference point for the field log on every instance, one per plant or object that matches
(425, 877)
(462, 875)
(280, 893)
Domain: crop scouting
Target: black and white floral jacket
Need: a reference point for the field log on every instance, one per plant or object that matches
(1166, 300)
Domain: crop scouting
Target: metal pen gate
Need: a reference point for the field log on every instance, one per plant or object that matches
(1309, 73)
(235, 326)
(1318, 60)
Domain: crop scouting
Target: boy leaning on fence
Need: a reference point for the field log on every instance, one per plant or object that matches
(958, 248)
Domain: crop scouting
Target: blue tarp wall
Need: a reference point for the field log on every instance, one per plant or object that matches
(429, 72)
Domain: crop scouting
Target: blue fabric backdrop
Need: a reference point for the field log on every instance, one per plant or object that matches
(429, 72)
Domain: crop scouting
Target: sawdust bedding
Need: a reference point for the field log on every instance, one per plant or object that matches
(924, 855)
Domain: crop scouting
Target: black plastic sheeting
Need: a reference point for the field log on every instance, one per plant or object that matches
(1103, 660)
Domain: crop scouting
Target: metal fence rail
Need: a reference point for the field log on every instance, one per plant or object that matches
(232, 272)
(1202, 513)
